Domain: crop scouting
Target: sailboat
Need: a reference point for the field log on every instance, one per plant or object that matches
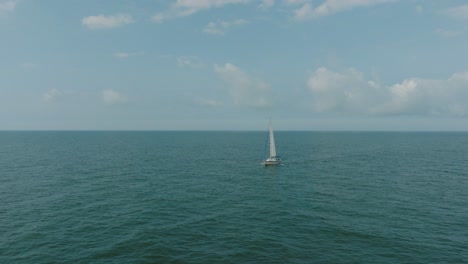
(272, 159)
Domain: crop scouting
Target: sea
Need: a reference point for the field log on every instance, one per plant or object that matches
(204, 197)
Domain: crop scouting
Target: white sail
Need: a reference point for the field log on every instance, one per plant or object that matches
(272, 159)
(272, 142)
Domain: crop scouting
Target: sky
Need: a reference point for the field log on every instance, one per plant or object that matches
(234, 64)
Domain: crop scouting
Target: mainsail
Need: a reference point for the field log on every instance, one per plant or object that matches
(272, 159)
(272, 142)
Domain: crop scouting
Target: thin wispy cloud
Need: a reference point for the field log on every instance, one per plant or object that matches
(110, 97)
(106, 22)
(28, 65)
(208, 102)
(52, 95)
(124, 55)
(183, 8)
(447, 33)
(189, 61)
(458, 12)
(243, 89)
(419, 9)
(188, 7)
(7, 7)
(265, 4)
(294, 2)
(330, 7)
(221, 27)
(349, 92)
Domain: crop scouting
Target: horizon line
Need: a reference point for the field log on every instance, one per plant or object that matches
(211, 130)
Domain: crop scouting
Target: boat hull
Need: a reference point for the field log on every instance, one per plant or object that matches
(271, 162)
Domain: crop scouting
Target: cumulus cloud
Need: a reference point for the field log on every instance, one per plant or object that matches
(244, 90)
(110, 96)
(459, 12)
(221, 27)
(106, 22)
(342, 92)
(182, 8)
(7, 6)
(329, 7)
(349, 92)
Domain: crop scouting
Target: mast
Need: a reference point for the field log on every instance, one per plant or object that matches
(272, 142)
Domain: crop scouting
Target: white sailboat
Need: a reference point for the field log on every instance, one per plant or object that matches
(272, 159)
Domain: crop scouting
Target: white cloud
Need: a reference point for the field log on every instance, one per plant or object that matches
(110, 96)
(329, 7)
(192, 6)
(221, 27)
(244, 90)
(208, 102)
(459, 12)
(341, 92)
(349, 92)
(189, 61)
(52, 94)
(106, 22)
(7, 6)
(182, 8)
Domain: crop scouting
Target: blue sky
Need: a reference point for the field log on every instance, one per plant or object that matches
(233, 64)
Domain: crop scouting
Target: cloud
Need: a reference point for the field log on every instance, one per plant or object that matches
(189, 61)
(121, 55)
(183, 8)
(159, 17)
(294, 2)
(341, 92)
(52, 95)
(244, 90)
(265, 4)
(7, 6)
(106, 22)
(447, 33)
(349, 92)
(419, 9)
(188, 7)
(124, 55)
(221, 27)
(459, 12)
(329, 7)
(28, 65)
(208, 102)
(110, 96)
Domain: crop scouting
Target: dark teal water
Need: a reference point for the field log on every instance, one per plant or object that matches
(203, 197)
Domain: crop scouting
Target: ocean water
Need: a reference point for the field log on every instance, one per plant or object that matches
(203, 197)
